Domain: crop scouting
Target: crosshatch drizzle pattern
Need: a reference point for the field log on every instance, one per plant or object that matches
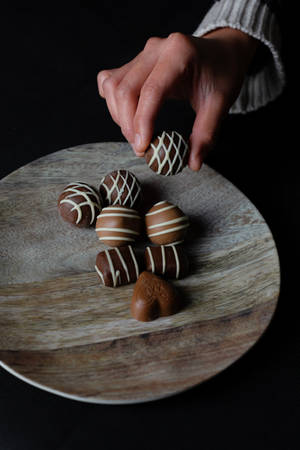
(124, 188)
(168, 142)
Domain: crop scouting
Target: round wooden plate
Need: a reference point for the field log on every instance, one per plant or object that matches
(62, 331)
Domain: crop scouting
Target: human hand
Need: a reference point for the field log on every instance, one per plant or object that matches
(207, 71)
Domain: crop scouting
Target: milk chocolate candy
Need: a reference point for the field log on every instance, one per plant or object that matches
(120, 187)
(117, 266)
(153, 297)
(166, 224)
(169, 261)
(167, 153)
(117, 226)
(79, 204)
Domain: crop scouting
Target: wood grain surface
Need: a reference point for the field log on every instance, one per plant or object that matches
(62, 331)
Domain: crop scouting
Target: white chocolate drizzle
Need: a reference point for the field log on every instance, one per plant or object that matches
(169, 230)
(174, 243)
(100, 274)
(164, 259)
(132, 216)
(122, 212)
(123, 264)
(74, 191)
(168, 222)
(151, 259)
(130, 198)
(121, 230)
(116, 238)
(180, 148)
(134, 262)
(160, 210)
(116, 274)
(177, 260)
(120, 208)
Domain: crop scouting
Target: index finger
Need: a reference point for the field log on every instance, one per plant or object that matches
(153, 93)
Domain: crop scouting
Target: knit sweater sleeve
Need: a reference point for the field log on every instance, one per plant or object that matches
(257, 18)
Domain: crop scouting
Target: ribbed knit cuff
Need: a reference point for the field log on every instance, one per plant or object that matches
(255, 18)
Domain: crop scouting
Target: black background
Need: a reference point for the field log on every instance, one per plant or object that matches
(49, 101)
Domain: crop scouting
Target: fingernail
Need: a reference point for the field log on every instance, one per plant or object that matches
(137, 142)
(195, 164)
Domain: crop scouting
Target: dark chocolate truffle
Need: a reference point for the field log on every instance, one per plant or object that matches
(79, 204)
(117, 226)
(117, 266)
(167, 154)
(153, 297)
(170, 261)
(120, 187)
(166, 224)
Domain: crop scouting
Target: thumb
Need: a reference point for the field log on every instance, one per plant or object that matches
(207, 122)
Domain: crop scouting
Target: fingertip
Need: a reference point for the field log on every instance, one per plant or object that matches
(101, 77)
(195, 164)
(137, 143)
(138, 153)
(140, 144)
(196, 155)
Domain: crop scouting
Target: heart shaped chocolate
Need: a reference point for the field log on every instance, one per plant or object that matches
(153, 297)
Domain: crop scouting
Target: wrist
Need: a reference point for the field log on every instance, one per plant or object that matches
(241, 44)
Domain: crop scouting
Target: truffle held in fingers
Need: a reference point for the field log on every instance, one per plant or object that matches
(167, 153)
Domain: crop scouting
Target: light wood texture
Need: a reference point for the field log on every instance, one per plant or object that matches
(62, 331)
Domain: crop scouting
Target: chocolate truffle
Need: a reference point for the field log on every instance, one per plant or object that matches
(166, 224)
(120, 187)
(167, 154)
(79, 204)
(117, 225)
(170, 261)
(153, 298)
(117, 266)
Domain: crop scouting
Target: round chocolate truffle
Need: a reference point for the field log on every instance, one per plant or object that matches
(120, 187)
(79, 204)
(117, 225)
(117, 266)
(167, 154)
(166, 224)
(169, 261)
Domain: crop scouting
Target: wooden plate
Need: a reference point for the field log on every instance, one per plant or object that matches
(62, 331)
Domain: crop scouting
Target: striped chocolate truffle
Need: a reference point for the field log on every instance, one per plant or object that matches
(79, 204)
(117, 225)
(167, 153)
(166, 224)
(120, 187)
(117, 266)
(169, 261)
